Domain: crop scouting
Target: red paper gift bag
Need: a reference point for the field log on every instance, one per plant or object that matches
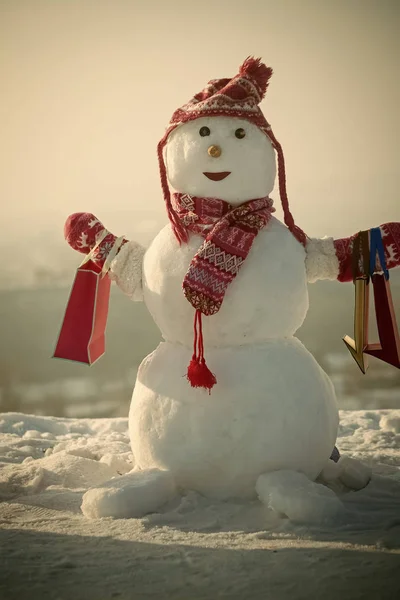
(82, 336)
(388, 348)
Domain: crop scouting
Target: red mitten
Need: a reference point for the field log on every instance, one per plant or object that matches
(391, 242)
(82, 232)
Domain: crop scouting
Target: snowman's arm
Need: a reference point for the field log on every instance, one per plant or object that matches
(327, 258)
(321, 260)
(126, 270)
(83, 231)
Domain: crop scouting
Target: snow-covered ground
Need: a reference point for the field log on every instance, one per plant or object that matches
(194, 547)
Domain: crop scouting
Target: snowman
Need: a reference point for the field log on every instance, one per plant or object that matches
(230, 404)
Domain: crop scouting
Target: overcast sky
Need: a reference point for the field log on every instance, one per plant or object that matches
(89, 86)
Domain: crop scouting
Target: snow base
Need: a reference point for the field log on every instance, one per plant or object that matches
(193, 547)
(132, 495)
(293, 495)
(354, 474)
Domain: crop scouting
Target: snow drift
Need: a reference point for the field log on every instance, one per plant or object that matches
(194, 547)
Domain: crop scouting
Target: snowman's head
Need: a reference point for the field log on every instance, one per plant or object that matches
(220, 145)
(220, 157)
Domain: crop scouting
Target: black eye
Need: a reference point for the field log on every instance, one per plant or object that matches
(204, 131)
(240, 133)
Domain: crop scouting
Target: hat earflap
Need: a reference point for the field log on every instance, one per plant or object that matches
(178, 229)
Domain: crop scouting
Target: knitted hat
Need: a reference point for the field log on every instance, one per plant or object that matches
(236, 97)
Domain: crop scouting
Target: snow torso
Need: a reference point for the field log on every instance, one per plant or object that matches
(268, 298)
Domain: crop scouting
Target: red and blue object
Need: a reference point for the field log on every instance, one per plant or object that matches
(388, 348)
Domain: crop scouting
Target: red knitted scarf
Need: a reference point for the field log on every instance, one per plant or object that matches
(229, 233)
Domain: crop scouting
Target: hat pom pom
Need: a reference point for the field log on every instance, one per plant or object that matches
(254, 69)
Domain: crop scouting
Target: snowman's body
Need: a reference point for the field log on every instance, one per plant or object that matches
(270, 423)
(273, 406)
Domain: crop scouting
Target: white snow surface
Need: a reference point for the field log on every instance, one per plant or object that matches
(193, 547)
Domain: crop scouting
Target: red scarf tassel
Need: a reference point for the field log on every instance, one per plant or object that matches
(198, 374)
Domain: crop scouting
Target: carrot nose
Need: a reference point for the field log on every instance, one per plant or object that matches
(214, 151)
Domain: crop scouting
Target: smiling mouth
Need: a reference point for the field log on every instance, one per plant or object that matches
(217, 176)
